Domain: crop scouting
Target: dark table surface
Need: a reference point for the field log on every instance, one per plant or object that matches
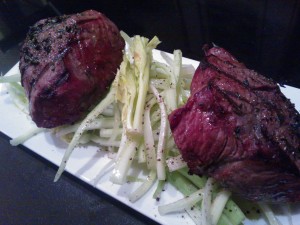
(263, 34)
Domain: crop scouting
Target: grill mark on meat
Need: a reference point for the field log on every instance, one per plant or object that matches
(229, 94)
(237, 108)
(34, 80)
(42, 73)
(289, 154)
(265, 83)
(86, 20)
(61, 54)
(78, 44)
(49, 91)
(258, 157)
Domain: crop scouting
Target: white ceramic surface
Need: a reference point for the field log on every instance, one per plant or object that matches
(86, 162)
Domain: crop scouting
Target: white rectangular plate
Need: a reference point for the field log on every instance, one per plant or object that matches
(86, 162)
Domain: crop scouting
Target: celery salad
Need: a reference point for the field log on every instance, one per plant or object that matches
(131, 125)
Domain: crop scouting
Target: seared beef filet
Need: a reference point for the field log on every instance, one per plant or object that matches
(240, 129)
(67, 64)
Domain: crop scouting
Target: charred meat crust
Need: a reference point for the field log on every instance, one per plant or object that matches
(67, 64)
(239, 128)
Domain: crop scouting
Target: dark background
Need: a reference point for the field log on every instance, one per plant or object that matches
(263, 34)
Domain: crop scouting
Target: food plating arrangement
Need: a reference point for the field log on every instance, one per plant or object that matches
(181, 141)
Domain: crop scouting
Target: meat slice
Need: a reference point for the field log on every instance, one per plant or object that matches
(240, 129)
(67, 64)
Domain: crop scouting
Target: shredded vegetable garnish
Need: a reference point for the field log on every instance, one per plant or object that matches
(131, 124)
(85, 123)
(10, 79)
(182, 204)
(26, 135)
(269, 214)
(138, 193)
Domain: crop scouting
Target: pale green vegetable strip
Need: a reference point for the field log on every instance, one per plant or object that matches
(181, 183)
(123, 163)
(104, 141)
(17, 94)
(90, 117)
(173, 92)
(26, 135)
(218, 205)
(148, 137)
(142, 154)
(96, 124)
(188, 71)
(177, 74)
(167, 58)
(181, 204)
(161, 70)
(171, 142)
(269, 214)
(287, 211)
(134, 179)
(195, 179)
(159, 189)
(126, 38)
(206, 202)
(223, 220)
(142, 61)
(195, 214)
(155, 115)
(11, 78)
(161, 171)
(160, 83)
(129, 41)
(18, 89)
(170, 98)
(85, 138)
(108, 112)
(140, 191)
(126, 93)
(233, 212)
(177, 68)
(184, 185)
(107, 168)
(108, 133)
(175, 163)
(117, 123)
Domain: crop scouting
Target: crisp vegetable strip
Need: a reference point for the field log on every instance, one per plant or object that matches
(11, 78)
(27, 135)
(161, 173)
(269, 214)
(91, 116)
(138, 193)
(182, 204)
(218, 205)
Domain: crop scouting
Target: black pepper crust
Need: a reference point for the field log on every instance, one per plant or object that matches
(67, 63)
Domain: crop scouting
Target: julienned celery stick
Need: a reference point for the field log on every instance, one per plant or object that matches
(159, 189)
(181, 183)
(231, 212)
(10, 79)
(17, 94)
(195, 179)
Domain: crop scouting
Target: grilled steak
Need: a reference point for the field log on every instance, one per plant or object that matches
(240, 129)
(67, 64)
